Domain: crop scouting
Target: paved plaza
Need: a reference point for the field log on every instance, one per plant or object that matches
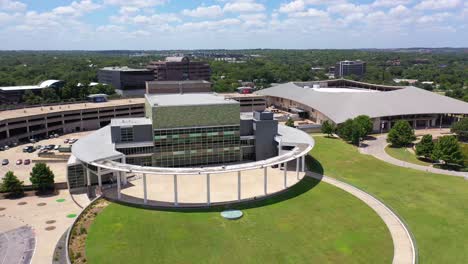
(43, 218)
(193, 188)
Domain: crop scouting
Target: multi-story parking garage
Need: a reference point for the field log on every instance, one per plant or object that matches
(339, 100)
(21, 125)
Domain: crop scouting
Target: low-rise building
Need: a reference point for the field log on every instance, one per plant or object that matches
(127, 81)
(346, 68)
(179, 69)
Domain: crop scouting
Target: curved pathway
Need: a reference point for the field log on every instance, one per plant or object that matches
(403, 246)
(376, 148)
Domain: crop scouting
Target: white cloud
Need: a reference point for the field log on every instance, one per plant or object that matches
(294, 6)
(438, 17)
(399, 10)
(390, 3)
(241, 6)
(135, 3)
(12, 5)
(76, 8)
(154, 19)
(126, 10)
(210, 25)
(204, 11)
(438, 4)
(311, 12)
(347, 8)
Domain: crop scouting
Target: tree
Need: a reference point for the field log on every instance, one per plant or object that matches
(448, 150)
(42, 177)
(425, 147)
(344, 130)
(328, 128)
(401, 134)
(461, 129)
(290, 122)
(11, 184)
(365, 123)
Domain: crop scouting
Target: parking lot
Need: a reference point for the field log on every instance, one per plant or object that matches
(56, 160)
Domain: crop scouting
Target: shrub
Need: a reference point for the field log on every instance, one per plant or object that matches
(42, 177)
(448, 150)
(12, 185)
(290, 122)
(425, 147)
(401, 134)
(328, 128)
(460, 128)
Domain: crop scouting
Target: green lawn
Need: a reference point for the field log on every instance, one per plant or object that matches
(434, 206)
(405, 155)
(312, 223)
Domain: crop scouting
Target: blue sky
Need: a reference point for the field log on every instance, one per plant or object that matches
(232, 24)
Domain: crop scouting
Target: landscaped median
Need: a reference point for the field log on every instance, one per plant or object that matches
(434, 206)
(312, 222)
(406, 155)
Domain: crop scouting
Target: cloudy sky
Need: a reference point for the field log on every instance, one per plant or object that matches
(232, 24)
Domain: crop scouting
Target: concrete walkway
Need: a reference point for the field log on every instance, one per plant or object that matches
(403, 246)
(376, 148)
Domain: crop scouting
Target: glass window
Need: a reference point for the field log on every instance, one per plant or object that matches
(126, 134)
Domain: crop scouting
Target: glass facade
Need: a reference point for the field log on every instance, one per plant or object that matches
(126, 134)
(76, 176)
(196, 146)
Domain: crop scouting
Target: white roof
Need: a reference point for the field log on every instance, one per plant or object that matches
(48, 83)
(338, 107)
(96, 146)
(42, 85)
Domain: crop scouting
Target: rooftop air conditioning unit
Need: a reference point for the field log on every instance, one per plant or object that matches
(307, 87)
(316, 86)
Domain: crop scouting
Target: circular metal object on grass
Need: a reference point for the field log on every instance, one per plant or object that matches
(232, 214)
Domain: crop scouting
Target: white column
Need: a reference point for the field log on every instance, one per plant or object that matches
(285, 168)
(119, 195)
(297, 168)
(303, 163)
(239, 185)
(265, 180)
(145, 194)
(208, 201)
(124, 180)
(88, 177)
(99, 177)
(176, 201)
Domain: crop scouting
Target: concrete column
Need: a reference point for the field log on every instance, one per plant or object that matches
(285, 169)
(265, 180)
(297, 168)
(239, 185)
(208, 200)
(99, 177)
(303, 163)
(88, 177)
(145, 194)
(176, 201)
(119, 195)
(124, 180)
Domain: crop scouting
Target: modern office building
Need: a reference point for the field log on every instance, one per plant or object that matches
(180, 69)
(14, 94)
(127, 81)
(346, 68)
(165, 87)
(185, 134)
(339, 100)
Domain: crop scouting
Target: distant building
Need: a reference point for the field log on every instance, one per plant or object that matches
(180, 69)
(171, 87)
(346, 68)
(14, 94)
(127, 81)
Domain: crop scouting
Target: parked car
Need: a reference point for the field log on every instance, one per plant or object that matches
(56, 147)
(56, 135)
(66, 141)
(7, 147)
(27, 162)
(19, 162)
(38, 147)
(50, 147)
(29, 149)
(5, 162)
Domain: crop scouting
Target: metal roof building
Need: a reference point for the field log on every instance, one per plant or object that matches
(339, 100)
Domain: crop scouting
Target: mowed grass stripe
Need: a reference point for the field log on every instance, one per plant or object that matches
(311, 223)
(435, 206)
